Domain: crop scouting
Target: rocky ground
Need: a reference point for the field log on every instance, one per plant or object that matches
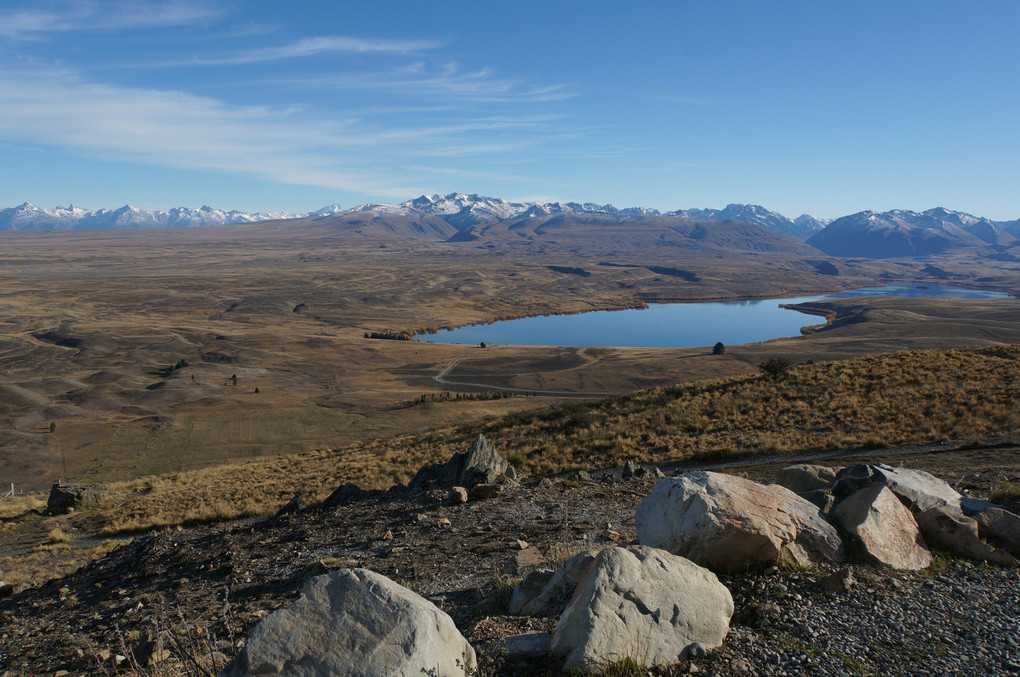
(204, 589)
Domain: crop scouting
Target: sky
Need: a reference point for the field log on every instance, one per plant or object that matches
(802, 106)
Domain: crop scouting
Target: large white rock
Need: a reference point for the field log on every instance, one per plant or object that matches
(644, 604)
(918, 488)
(355, 623)
(884, 527)
(730, 524)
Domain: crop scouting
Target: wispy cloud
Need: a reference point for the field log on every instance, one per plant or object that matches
(85, 15)
(323, 45)
(448, 82)
(286, 145)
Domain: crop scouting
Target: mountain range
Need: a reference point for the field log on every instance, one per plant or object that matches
(460, 217)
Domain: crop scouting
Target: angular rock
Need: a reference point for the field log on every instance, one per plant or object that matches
(644, 604)
(348, 493)
(822, 498)
(884, 527)
(64, 498)
(527, 645)
(804, 477)
(954, 532)
(480, 464)
(293, 506)
(730, 524)
(918, 488)
(482, 491)
(457, 495)
(852, 479)
(1000, 525)
(544, 592)
(6, 589)
(355, 623)
(838, 581)
(525, 559)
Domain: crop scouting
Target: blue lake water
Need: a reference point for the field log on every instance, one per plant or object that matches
(678, 325)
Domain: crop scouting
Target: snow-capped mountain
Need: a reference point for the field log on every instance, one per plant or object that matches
(907, 233)
(462, 211)
(29, 217)
(459, 215)
(803, 227)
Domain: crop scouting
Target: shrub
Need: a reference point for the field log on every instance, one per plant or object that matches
(775, 367)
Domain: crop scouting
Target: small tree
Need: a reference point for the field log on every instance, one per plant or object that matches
(774, 367)
(718, 348)
(53, 426)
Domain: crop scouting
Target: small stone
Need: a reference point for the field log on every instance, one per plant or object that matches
(443, 523)
(486, 490)
(740, 667)
(457, 495)
(697, 650)
(528, 558)
(527, 646)
(519, 544)
(838, 581)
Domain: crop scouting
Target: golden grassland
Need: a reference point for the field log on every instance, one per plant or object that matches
(883, 400)
(90, 322)
(907, 397)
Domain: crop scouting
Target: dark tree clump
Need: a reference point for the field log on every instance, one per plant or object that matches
(775, 367)
(718, 348)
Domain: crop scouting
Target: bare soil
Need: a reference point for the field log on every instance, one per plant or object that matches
(223, 579)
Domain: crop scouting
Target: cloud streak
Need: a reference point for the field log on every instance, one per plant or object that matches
(285, 145)
(323, 45)
(107, 16)
(480, 85)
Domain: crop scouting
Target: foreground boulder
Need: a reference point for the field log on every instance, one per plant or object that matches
(917, 488)
(644, 604)
(957, 533)
(480, 464)
(884, 528)
(803, 477)
(355, 623)
(730, 524)
(67, 497)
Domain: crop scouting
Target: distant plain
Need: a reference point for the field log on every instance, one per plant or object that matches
(90, 322)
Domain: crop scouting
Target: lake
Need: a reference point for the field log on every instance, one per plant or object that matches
(678, 325)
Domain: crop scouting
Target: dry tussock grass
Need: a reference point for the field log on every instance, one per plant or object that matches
(892, 399)
(15, 506)
(45, 562)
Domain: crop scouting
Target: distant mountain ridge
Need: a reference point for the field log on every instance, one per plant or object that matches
(29, 217)
(457, 209)
(460, 217)
(903, 233)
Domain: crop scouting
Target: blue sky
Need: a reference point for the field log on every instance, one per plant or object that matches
(801, 106)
